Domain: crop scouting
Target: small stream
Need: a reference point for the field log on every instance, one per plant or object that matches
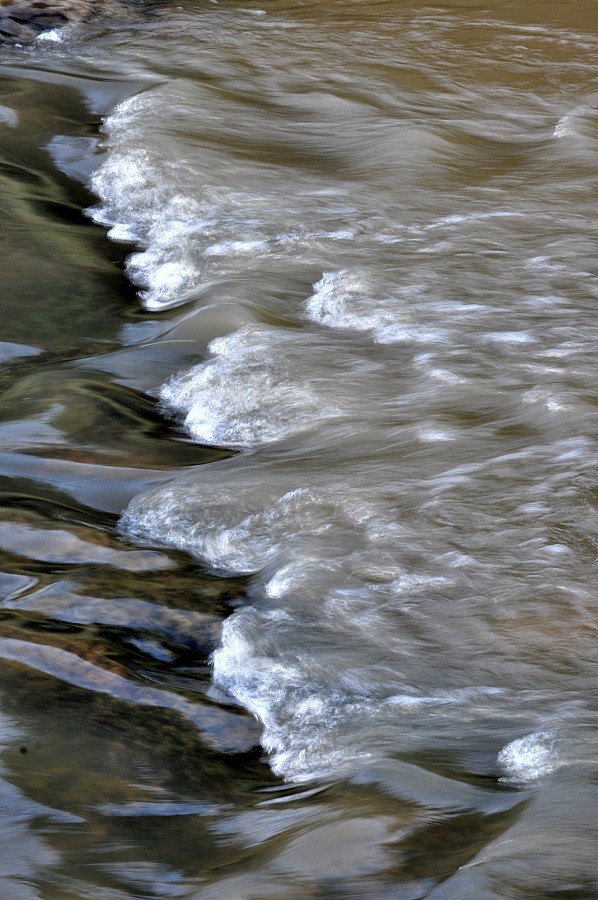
(298, 443)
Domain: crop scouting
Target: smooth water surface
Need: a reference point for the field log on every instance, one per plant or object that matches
(298, 453)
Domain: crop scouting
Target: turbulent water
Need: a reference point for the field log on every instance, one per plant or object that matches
(299, 453)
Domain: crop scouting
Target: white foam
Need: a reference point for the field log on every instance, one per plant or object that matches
(142, 201)
(311, 543)
(539, 395)
(529, 758)
(230, 526)
(195, 220)
(9, 116)
(353, 299)
(253, 391)
(319, 709)
(286, 579)
(119, 181)
(329, 656)
(139, 205)
(296, 706)
(344, 300)
(446, 698)
(54, 35)
(409, 334)
(509, 337)
(468, 218)
(566, 125)
(557, 549)
(240, 248)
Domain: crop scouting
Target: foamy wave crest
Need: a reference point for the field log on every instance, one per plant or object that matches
(128, 182)
(325, 656)
(303, 707)
(531, 757)
(252, 392)
(197, 215)
(152, 197)
(344, 597)
(138, 208)
(325, 713)
(344, 299)
(8, 116)
(352, 300)
(239, 527)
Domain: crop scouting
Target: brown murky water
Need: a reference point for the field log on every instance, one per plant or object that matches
(298, 441)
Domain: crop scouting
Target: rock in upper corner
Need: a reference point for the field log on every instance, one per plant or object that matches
(22, 21)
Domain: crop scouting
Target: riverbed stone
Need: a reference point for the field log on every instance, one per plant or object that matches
(22, 21)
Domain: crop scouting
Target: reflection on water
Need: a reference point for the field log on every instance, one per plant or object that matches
(298, 452)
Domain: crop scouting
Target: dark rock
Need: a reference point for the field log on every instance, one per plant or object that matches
(22, 21)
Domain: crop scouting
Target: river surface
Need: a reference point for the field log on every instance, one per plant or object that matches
(299, 453)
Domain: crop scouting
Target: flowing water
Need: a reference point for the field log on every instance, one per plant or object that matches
(299, 453)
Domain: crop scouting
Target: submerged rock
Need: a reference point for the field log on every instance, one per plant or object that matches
(22, 21)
